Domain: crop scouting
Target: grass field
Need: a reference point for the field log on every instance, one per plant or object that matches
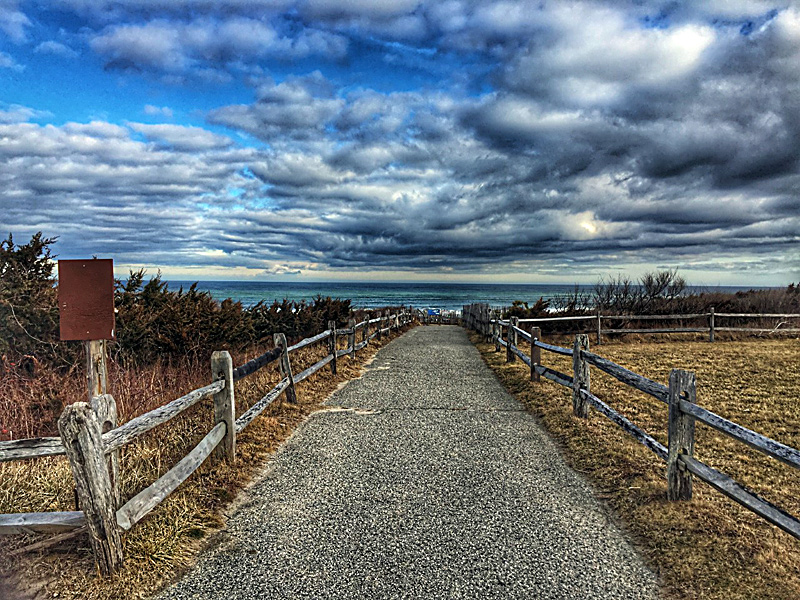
(710, 547)
(165, 542)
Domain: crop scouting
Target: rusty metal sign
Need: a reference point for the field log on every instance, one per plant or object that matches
(86, 299)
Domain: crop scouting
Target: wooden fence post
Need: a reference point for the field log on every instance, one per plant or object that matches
(580, 376)
(224, 405)
(511, 338)
(286, 366)
(351, 337)
(105, 409)
(497, 330)
(682, 385)
(96, 368)
(83, 444)
(332, 345)
(711, 325)
(599, 328)
(380, 324)
(536, 353)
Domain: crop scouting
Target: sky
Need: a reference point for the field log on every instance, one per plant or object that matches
(450, 140)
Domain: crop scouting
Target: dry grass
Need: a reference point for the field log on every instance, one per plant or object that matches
(711, 547)
(166, 542)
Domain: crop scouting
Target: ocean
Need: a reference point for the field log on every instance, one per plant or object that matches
(447, 296)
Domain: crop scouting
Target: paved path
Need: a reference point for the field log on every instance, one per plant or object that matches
(424, 479)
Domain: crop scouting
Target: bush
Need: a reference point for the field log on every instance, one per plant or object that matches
(153, 322)
(28, 300)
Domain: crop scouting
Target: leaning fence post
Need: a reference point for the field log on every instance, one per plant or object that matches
(511, 338)
(224, 405)
(682, 385)
(105, 409)
(711, 325)
(285, 365)
(351, 337)
(536, 353)
(332, 345)
(580, 376)
(83, 444)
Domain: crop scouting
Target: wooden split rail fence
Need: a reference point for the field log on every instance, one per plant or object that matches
(90, 439)
(480, 317)
(683, 413)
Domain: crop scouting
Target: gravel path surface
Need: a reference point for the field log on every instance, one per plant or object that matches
(424, 479)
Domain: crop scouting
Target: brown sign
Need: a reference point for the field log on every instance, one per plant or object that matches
(86, 299)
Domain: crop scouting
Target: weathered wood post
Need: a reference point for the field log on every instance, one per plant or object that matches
(351, 337)
(580, 376)
(81, 437)
(497, 330)
(365, 334)
(105, 409)
(332, 345)
(286, 366)
(711, 325)
(224, 405)
(682, 385)
(380, 325)
(599, 328)
(536, 353)
(511, 338)
(96, 368)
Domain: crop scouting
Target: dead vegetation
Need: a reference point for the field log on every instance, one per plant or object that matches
(709, 548)
(166, 542)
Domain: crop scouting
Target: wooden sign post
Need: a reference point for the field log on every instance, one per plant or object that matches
(86, 313)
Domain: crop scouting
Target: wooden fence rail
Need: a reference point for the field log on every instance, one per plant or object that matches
(86, 446)
(479, 317)
(679, 396)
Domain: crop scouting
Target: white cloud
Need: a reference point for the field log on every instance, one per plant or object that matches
(593, 56)
(56, 48)
(13, 22)
(176, 46)
(179, 137)
(158, 111)
(8, 62)
(15, 113)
